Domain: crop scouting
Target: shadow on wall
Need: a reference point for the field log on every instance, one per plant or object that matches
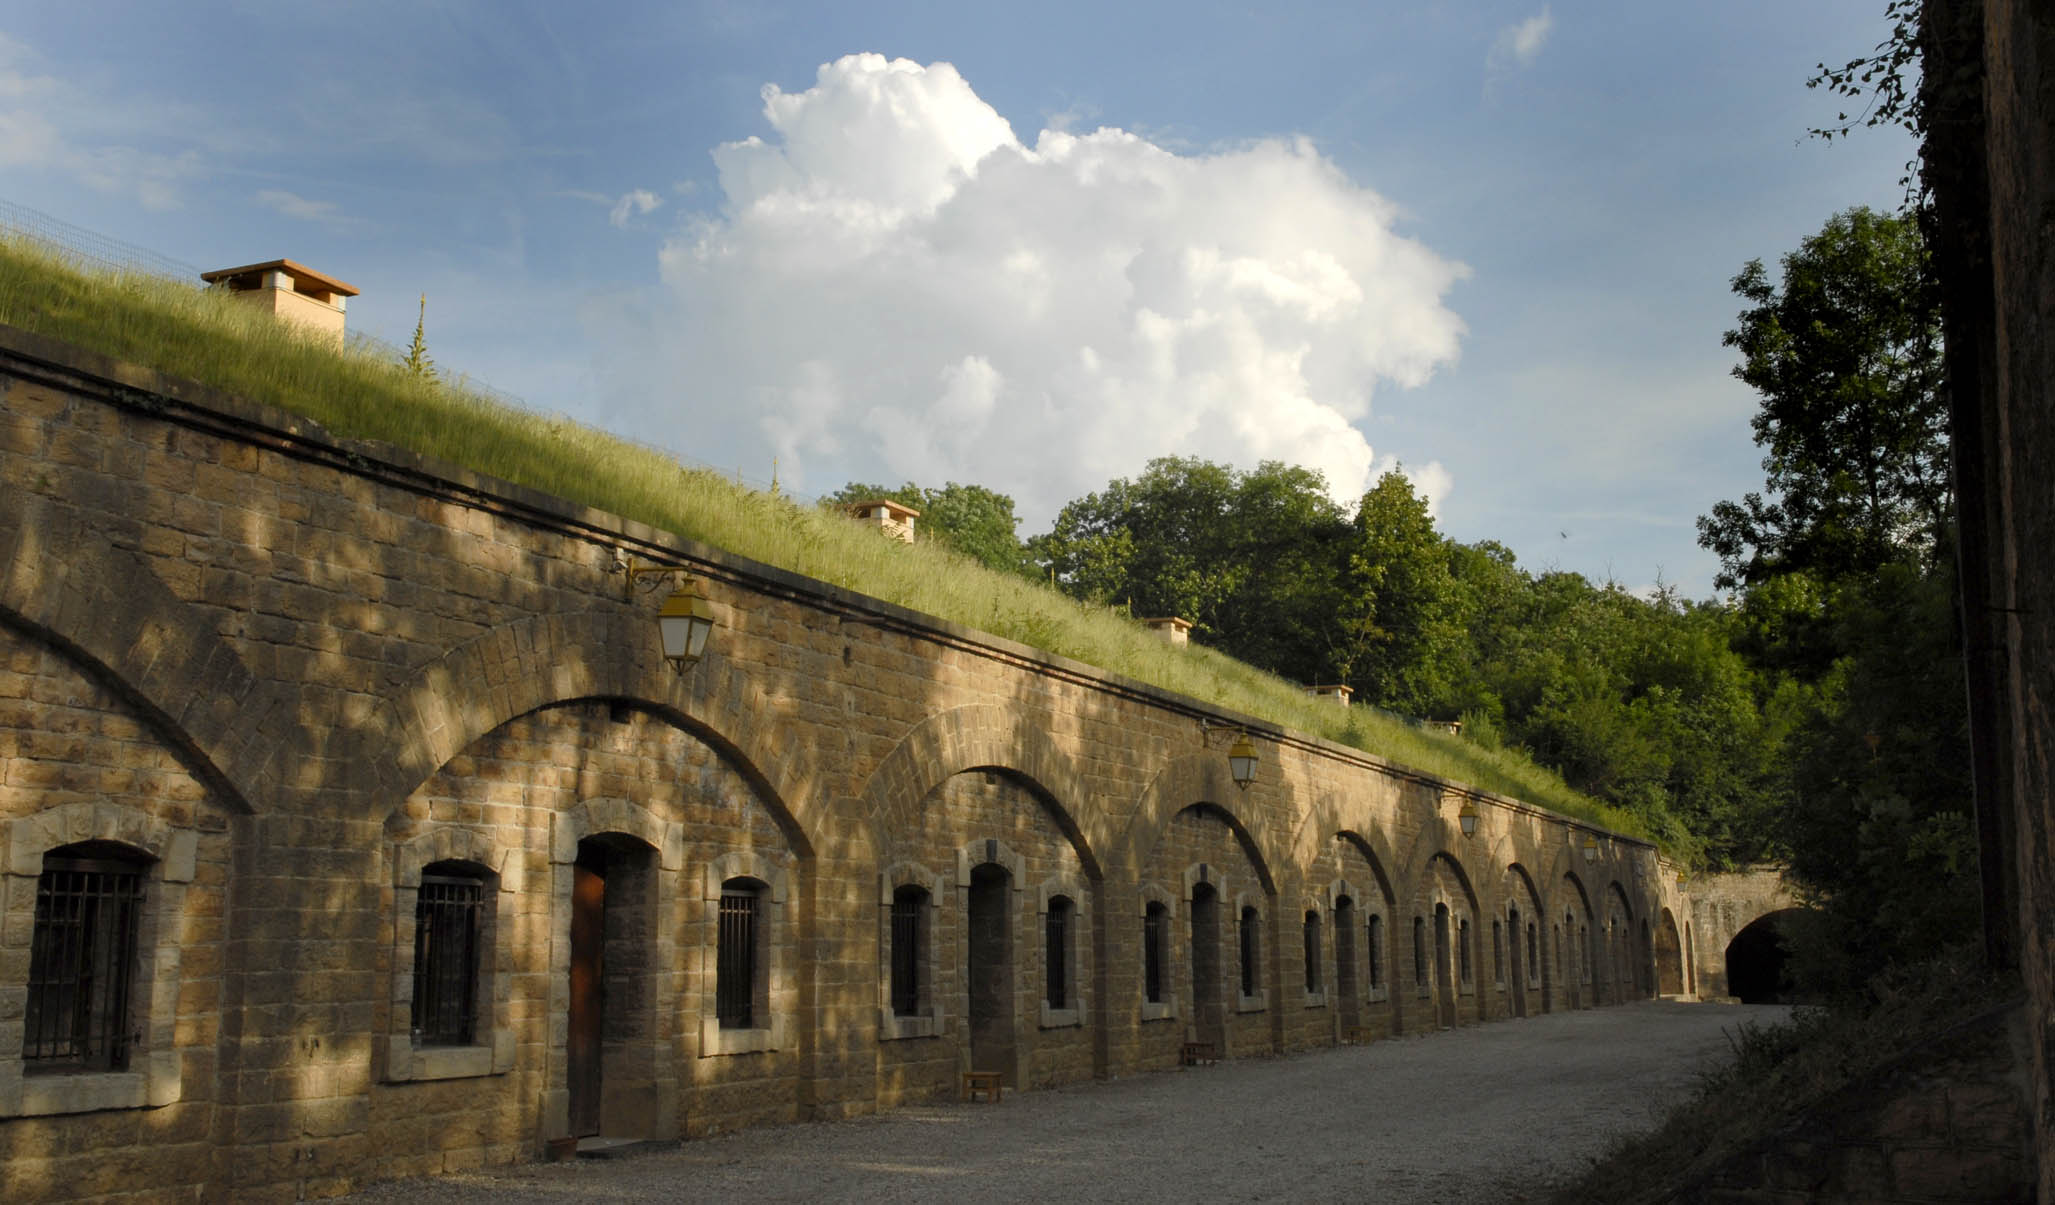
(1755, 961)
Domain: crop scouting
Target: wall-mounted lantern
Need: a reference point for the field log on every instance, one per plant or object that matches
(684, 621)
(1590, 848)
(1467, 817)
(1241, 761)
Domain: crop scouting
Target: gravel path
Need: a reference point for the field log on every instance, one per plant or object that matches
(1487, 1114)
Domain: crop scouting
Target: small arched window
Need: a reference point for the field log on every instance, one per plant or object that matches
(909, 949)
(742, 979)
(1057, 938)
(1154, 919)
(1463, 946)
(1420, 951)
(1376, 950)
(83, 958)
(450, 931)
(1312, 951)
(1252, 982)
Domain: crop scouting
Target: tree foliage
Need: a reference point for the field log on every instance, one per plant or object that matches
(1845, 352)
(973, 520)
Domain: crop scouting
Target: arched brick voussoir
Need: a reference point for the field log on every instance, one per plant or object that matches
(1192, 779)
(1439, 837)
(544, 660)
(982, 736)
(1331, 817)
(62, 582)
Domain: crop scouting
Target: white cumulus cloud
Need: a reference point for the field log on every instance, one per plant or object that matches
(1517, 44)
(896, 286)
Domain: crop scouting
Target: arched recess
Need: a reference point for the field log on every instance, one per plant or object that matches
(107, 611)
(544, 660)
(1669, 957)
(1199, 779)
(1622, 952)
(1441, 892)
(1571, 918)
(1529, 974)
(976, 737)
(1755, 960)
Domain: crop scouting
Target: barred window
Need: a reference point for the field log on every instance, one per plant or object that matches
(82, 959)
(1251, 981)
(908, 903)
(1312, 951)
(1498, 951)
(1056, 953)
(1153, 922)
(738, 960)
(1376, 950)
(1463, 945)
(1420, 950)
(1533, 955)
(448, 919)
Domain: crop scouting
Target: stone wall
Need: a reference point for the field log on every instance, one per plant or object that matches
(304, 684)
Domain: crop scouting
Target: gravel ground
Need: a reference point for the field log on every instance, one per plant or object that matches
(1486, 1114)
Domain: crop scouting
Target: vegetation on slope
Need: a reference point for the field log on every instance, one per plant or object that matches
(207, 337)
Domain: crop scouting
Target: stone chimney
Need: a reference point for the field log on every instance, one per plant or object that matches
(1337, 692)
(1171, 628)
(892, 519)
(291, 292)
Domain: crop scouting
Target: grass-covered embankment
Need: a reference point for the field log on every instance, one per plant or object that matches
(207, 337)
(1822, 1073)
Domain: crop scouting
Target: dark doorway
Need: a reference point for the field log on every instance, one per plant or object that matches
(1444, 974)
(1345, 964)
(1208, 1021)
(1755, 962)
(583, 1043)
(991, 971)
(611, 1022)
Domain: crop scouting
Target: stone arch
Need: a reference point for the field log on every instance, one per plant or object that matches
(972, 737)
(1530, 969)
(1438, 838)
(607, 814)
(1197, 780)
(544, 660)
(1376, 852)
(109, 613)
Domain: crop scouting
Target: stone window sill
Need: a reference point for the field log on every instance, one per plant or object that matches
(893, 1027)
(714, 1040)
(1159, 1011)
(1061, 1018)
(408, 1063)
(1251, 1004)
(1377, 995)
(81, 1092)
(1316, 999)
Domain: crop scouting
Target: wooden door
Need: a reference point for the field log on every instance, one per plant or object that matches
(588, 995)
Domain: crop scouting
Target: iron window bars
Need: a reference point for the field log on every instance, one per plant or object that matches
(735, 991)
(448, 913)
(81, 962)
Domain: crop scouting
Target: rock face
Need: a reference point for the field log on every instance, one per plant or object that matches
(431, 858)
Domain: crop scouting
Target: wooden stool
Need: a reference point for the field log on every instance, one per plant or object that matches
(1360, 1035)
(1195, 1053)
(986, 1082)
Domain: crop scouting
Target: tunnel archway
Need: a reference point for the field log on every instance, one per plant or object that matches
(1756, 958)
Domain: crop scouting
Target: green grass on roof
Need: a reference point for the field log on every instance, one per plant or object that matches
(208, 337)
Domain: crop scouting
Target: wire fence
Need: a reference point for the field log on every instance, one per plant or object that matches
(90, 248)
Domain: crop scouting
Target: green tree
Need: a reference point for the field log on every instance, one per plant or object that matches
(1845, 353)
(1398, 603)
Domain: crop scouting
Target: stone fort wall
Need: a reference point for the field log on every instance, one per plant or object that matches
(292, 678)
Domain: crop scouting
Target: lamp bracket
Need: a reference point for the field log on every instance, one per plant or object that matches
(648, 577)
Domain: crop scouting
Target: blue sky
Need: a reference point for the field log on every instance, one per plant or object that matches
(1028, 247)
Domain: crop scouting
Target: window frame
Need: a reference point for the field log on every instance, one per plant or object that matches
(1250, 986)
(1067, 895)
(926, 1021)
(1160, 904)
(491, 1050)
(166, 857)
